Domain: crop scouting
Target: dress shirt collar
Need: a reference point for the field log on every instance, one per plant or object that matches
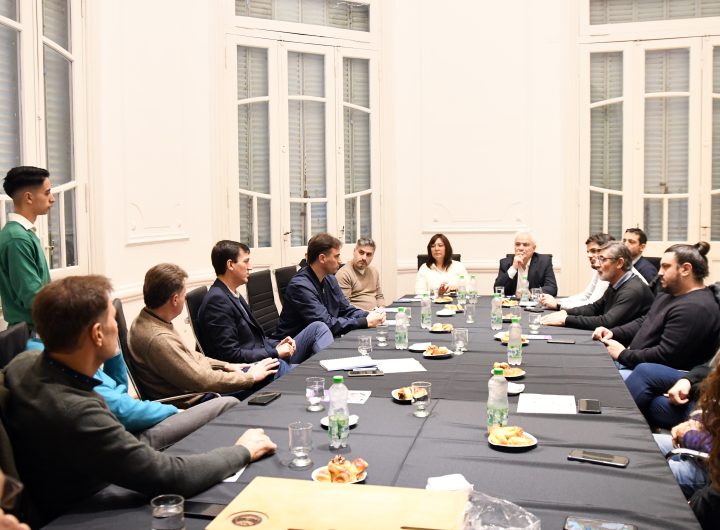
(625, 277)
(87, 382)
(637, 259)
(26, 224)
(234, 293)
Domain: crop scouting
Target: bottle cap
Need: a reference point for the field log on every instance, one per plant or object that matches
(498, 371)
(338, 379)
(515, 319)
(401, 310)
(425, 295)
(496, 295)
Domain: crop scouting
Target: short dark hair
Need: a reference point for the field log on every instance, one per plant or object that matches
(695, 255)
(161, 282)
(23, 177)
(321, 244)
(447, 260)
(600, 238)
(226, 250)
(365, 242)
(63, 309)
(638, 232)
(619, 250)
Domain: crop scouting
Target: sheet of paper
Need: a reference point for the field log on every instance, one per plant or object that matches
(358, 397)
(399, 366)
(233, 478)
(347, 363)
(546, 404)
(391, 309)
(405, 300)
(538, 337)
(389, 322)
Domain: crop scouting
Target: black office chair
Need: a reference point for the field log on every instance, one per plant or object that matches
(654, 261)
(422, 258)
(193, 301)
(261, 299)
(283, 275)
(13, 341)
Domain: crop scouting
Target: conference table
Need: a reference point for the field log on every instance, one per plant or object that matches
(403, 450)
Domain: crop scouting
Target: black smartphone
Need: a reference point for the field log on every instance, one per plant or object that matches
(365, 372)
(263, 398)
(583, 523)
(203, 510)
(535, 309)
(589, 406)
(604, 459)
(561, 341)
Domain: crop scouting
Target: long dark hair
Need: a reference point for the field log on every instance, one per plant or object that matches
(447, 259)
(710, 405)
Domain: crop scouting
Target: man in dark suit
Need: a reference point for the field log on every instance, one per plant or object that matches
(228, 329)
(525, 262)
(635, 240)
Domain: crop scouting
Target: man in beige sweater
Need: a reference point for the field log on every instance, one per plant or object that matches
(163, 364)
(359, 282)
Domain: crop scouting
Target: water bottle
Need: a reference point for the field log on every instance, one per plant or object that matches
(523, 289)
(514, 348)
(496, 318)
(401, 329)
(497, 404)
(425, 311)
(338, 416)
(472, 289)
(462, 290)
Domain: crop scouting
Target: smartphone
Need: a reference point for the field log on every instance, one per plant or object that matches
(263, 398)
(203, 510)
(560, 341)
(583, 523)
(589, 406)
(604, 459)
(535, 309)
(365, 372)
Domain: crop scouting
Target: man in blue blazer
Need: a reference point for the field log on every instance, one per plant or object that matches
(635, 240)
(228, 329)
(537, 267)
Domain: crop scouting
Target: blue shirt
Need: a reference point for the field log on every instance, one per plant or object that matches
(308, 300)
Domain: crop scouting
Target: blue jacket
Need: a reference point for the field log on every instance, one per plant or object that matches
(309, 300)
(646, 268)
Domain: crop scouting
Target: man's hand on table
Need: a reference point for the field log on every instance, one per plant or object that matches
(262, 369)
(554, 319)
(257, 442)
(614, 348)
(375, 317)
(602, 333)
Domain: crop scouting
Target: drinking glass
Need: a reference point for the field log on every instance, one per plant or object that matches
(315, 393)
(300, 442)
(535, 294)
(382, 335)
(535, 322)
(408, 312)
(470, 312)
(500, 291)
(365, 345)
(421, 398)
(516, 311)
(168, 512)
(461, 298)
(460, 340)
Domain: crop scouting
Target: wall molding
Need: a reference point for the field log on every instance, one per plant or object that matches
(473, 266)
(474, 229)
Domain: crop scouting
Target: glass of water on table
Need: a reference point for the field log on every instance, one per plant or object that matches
(421, 398)
(168, 512)
(382, 335)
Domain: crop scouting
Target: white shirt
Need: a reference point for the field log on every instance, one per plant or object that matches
(594, 291)
(429, 278)
(26, 224)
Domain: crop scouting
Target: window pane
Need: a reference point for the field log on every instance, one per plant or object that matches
(653, 219)
(366, 216)
(596, 212)
(318, 222)
(606, 153)
(54, 241)
(335, 13)
(357, 150)
(70, 229)
(307, 149)
(253, 147)
(247, 235)
(716, 69)
(69, 243)
(716, 144)
(264, 223)
(715, 218)
(254, 8)
(349, 15)
(617, 11)
(606, 76)
(356, 81)
(666, 145)
(306, 76)
(56, 22)
(351, 234)
(667, 70)
(9, 100)
(298, 236)
(615, 215)
(8, 8)
(252, 72)
(677, 219)
(58, 123)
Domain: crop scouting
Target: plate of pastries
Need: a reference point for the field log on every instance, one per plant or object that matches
(340, 470)
(437, 352)
(509, 372)
(511, 438)
(441, 328)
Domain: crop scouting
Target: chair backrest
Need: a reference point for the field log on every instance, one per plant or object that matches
(422, 258)
(283, 275)
(124, 346)
(193, 301)
(13, 341)
(654, 261)
(261, 299)
(7, 458)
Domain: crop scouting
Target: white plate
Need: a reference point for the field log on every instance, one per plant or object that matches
(516, 447)
(446, 355)
(445, 313)
(419, 347)
(361, 478)
(515, 388)
(511, 377)
(353, 420)
(528, 304)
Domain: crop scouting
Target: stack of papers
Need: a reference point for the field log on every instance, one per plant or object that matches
(399, 366)
(348, 363)
(546, 404)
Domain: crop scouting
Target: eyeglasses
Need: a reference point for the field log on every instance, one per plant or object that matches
(11, 492)
(603, 259)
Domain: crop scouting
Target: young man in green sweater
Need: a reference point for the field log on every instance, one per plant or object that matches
(23, 267)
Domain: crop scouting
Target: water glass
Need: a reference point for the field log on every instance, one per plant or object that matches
(460, 340)
(382, 335)
(300, 443)
(470, 312)
(168, 512)
(500, 291)
(516, 311)
(462, 298)
(315, 393)
(535, 322)
(535, 294)
(408, 312)
(421, 398)
(365, 345)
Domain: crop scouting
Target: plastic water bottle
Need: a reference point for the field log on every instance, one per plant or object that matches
(425, 311)
(523, 289)
(514, 349)
(338, 416)
(462, 290)
(472, 288)
(496, 318)
(497, 404)
(401, 329)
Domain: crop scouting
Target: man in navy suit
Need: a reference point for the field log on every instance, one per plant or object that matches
(228, 329)
(537, 267)
(635, 240)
